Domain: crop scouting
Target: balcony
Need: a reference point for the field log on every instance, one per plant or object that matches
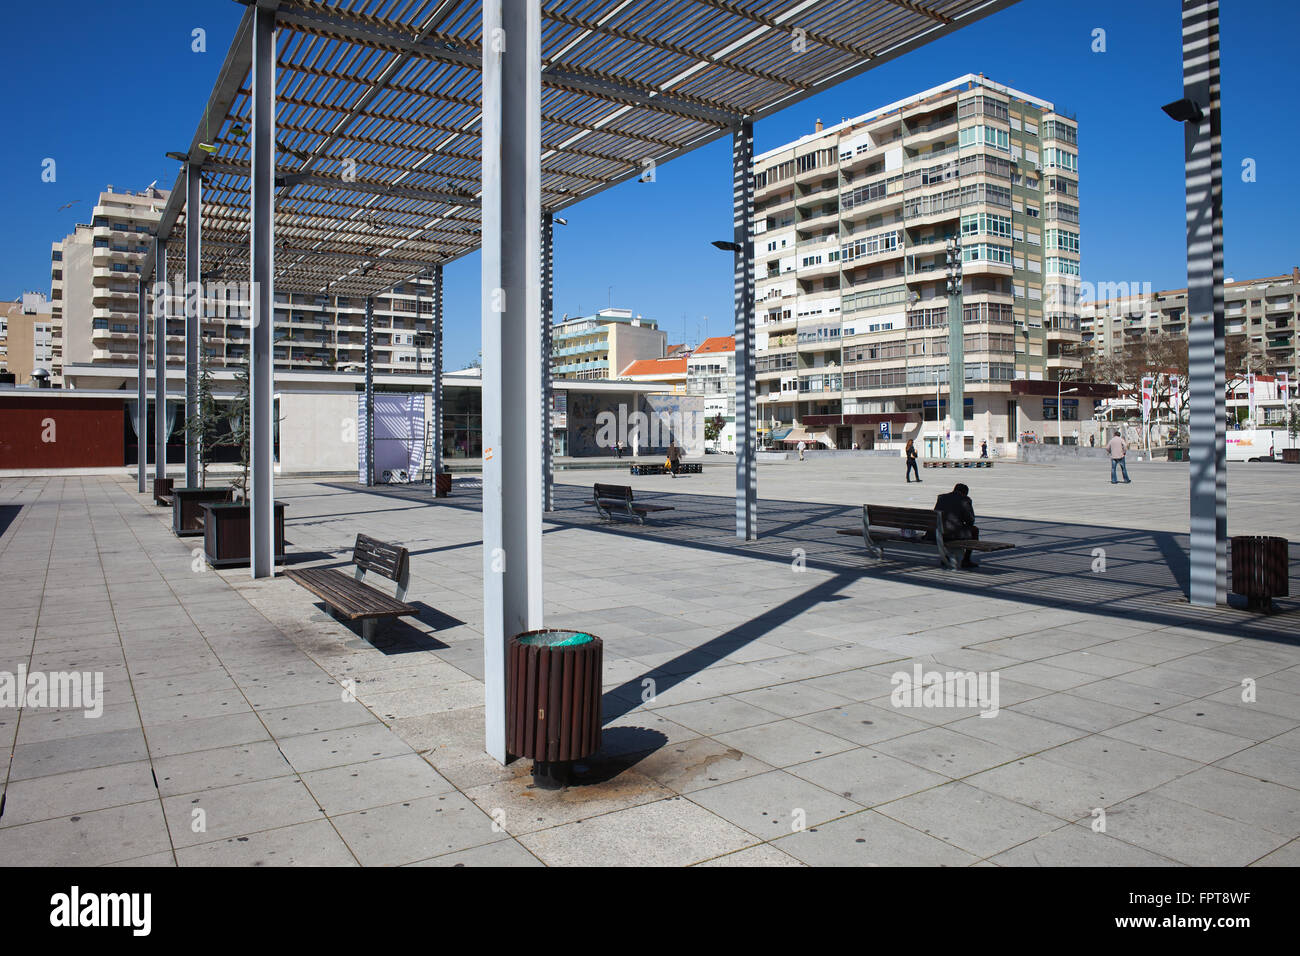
(1061, 327)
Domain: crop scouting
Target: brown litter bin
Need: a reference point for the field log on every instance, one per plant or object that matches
(1260, 569)
(553, 701)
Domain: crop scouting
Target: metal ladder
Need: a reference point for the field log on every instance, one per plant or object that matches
(426, 466)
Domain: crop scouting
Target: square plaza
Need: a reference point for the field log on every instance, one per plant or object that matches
(748, 711)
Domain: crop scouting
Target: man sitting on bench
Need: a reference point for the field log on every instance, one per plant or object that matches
(958, 519)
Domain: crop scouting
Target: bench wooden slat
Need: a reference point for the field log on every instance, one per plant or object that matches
(353, 599)
(389, 560)
(973, 544)
(887, 524)
(617, 499)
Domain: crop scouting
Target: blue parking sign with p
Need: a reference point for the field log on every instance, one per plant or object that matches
(884, 430)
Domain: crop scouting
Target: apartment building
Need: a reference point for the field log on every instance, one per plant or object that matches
(94, 275)
(1266, 312)
(711, 374)
(27, 339)
(853, 224)
(600, 345)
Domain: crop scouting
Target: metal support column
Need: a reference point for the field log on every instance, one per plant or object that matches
(368, 452)
(512, 358)
(261, 490)
(548, 317)
(160, 300)
(193, 314)
(742, 204)
(435, 412)
(141, 394)
(1208, 411)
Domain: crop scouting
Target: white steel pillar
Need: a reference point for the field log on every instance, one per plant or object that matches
(160, 300)
(261, 490)
(141, 394)
(193, 314)
(511, 303)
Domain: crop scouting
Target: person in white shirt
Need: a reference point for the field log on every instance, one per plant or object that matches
(802, 446)
(1117, 448)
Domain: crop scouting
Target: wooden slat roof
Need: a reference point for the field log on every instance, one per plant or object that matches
(378, 125)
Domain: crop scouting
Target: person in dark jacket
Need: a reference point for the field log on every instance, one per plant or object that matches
(910, 453)
(674, 457)
(958, 518)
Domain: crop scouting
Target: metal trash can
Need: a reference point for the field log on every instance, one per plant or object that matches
(442, 484)
(1260, 569)
(553, 701)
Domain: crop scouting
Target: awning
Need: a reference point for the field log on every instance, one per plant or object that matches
(780, 433)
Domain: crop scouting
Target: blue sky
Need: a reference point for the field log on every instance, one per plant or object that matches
(107, 88)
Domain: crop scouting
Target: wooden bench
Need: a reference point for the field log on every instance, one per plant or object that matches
(957, 463)
(162, 491)
(617, 499)
(352, 600)
(914, 527)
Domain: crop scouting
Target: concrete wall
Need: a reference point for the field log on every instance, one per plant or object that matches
(629, 343)
(1050, 454)
(37, 432)
(318, 431)
(77, 304)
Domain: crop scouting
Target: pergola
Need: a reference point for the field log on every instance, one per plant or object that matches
(351, 145)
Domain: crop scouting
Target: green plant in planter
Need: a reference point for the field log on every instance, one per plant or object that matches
(209, 421)
(240, 433)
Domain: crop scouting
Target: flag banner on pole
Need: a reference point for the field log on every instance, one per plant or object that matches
(1147, 384)
(1175, 395)
(1250, 395)
(1284, 387)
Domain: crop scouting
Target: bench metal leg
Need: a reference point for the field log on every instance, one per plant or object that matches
(368, 628)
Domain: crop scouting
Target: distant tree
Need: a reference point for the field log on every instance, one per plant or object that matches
(713, 427)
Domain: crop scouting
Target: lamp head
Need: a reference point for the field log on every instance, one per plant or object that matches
(1184, 111)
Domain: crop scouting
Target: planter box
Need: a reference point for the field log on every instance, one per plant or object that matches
(226, 533)
(187, 508)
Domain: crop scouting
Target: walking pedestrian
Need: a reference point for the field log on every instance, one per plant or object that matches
(910, 452)
(674, 458)
(618, 449)
(802, 446)
(984, 449)
(1117, 448)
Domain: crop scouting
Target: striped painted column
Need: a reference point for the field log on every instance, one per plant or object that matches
(548, 317)
(742, 202)
(1208, 411)
(435, 412)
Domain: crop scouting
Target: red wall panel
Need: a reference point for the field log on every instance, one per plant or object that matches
(87, 432)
